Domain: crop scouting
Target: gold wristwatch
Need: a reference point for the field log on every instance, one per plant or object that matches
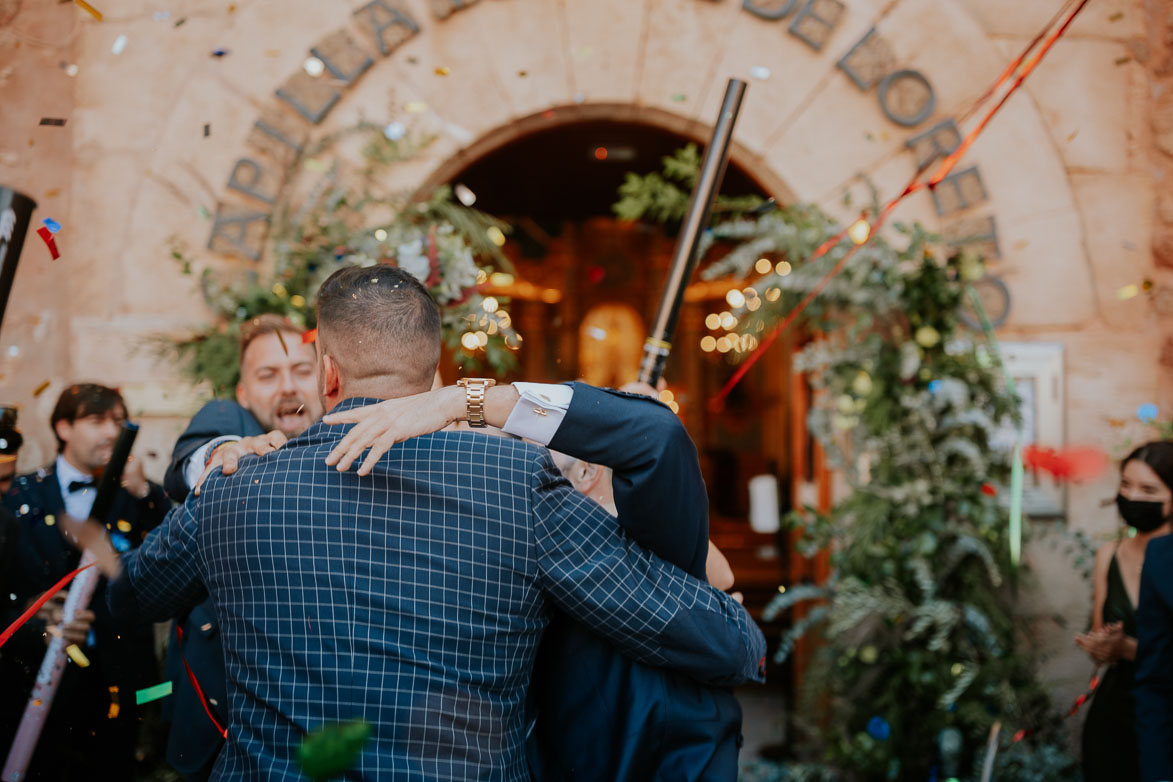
(474, 397)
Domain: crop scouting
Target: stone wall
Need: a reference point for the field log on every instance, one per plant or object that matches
(1074, 172)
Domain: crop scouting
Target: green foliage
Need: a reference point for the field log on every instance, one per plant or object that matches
(348, 219)
(917, 622)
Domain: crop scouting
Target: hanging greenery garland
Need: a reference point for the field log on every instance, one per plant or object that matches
(921, 651)
(349, 219)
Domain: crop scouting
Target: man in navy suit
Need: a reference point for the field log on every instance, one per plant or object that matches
(413, 597)
(1154, 662)
(276, 398)
(94, 719)
(631, 722)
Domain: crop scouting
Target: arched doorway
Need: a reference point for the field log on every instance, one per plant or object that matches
(585, 286)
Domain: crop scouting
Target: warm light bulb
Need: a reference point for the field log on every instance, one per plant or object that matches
(772, 294)
(489, 304)
(782, 269)
(708, 344)
(860, 231)
(763, 266)
(713, 321)
(735, 298)
(728, 321)
(469, 340)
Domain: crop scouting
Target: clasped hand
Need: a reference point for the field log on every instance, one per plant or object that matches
(1104, 646)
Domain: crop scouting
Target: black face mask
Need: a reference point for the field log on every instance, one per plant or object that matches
(1145, 516)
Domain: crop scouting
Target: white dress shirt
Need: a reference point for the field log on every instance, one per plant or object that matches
(79, 503)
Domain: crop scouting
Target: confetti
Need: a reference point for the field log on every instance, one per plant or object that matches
(77, 655)
(119, 45)
(443, 70)
(464, 195)
(94, 12)
(1123, 60)
(415, 107)
(760, 72)
(1116, 17)
(1147, 412)
(52, 225)
(1074, 464)
(47, 236)
(395, 131)
(679, 97)
(522, 74)
(495, 235)
(1071, 137)
(52, 122)
(42, 387)
(203, 212)
(125, 526)
(331, 750)
(314, 67)
(860, 231)
(53, 193)
(207, 129)
(112, 714)
(1128, 292)
(309, 336)
(179, 22)
(69, 68)
(219, 53)
(148, 694)
(281, 339)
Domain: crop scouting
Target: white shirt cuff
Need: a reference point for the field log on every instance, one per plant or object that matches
(539, 412)
(193, 468)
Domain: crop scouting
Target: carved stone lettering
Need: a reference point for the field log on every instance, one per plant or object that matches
(959, 191)
(935, 143)
(979, 234)
(343, 58)
(388, 24)
(238, 232)
(815, 22)
(278, 135)
(769, 9)
(445, 8)
(906, 97)
(312, 98)
(870, 60)
(251, 178)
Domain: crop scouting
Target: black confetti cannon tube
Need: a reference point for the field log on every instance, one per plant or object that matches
(16, 212)
(685, 256)
(111, 479)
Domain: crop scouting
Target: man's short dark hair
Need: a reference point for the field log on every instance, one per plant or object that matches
(269, 323)
(82, 399)
(10, 437)
(379, 321)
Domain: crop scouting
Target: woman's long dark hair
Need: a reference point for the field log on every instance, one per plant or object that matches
(1159, 456)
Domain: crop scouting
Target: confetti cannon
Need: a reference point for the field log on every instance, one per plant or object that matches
(16, 211)
(36, 711)
(686, 256)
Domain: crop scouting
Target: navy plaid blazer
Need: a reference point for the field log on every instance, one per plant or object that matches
(413, 598)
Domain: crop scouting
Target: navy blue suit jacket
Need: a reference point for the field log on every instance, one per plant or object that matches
(413, 598)
(1154, 662)
(632, 722)
(194, 741)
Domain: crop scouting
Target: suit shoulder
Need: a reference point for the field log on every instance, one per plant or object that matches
(219, 409)
(476, 446)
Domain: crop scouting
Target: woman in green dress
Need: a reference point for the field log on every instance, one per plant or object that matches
(1145, 502)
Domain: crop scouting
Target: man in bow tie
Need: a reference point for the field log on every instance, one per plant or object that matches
(94, 720)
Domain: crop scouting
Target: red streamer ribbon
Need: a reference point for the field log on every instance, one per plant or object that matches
(196, 686)
(45, 598)
(50, 242)
(914, 186)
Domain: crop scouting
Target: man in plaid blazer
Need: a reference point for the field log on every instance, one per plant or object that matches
(413, 597)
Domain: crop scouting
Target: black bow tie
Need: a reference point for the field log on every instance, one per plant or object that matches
(79, 485)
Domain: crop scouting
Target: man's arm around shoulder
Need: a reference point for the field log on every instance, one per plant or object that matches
(653, 611)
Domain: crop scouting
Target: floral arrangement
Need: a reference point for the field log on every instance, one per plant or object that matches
(347, 220)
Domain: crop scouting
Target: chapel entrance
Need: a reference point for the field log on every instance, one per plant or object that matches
(585, 290)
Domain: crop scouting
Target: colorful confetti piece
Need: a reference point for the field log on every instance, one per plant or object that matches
(77, 655)
(415, 107)
(42, 387)
(94, 12)
(1147, 412)
(443, 70)
(148, 694)
(115, 708)
(119, 45)
(52, 225)
(760, 72)
(314, 67)
(395, 131)
(1128, 292)
(207, 129)
(309, 336)
(281, 339)
(47, 236)
(218, 53)
(331, 750)
(52, 122)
